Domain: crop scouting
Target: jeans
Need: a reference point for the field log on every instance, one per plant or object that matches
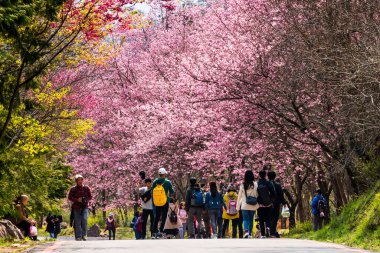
(182, 230)
(53, 235)
(197, 212)
(265, 219)
(248, 217)
(80, 222)
(111, 233)
(145, 214)
(160, 213)
(317, 222)
(213, 214)
(137, 235)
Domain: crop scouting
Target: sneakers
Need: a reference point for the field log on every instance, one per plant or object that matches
(246, 235)
(250, 237)
(263, 237)
(84, 238)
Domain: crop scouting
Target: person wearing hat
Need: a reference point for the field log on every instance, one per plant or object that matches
(162, 189)
(111, 226)
(80, 195)
(230, 213)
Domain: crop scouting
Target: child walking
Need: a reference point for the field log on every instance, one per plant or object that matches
(137, 225)
(111, 226)
(183, 217)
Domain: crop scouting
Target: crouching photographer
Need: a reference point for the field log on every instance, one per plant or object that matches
(80, 195)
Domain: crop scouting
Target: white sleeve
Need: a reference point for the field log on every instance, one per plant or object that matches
(142, 190)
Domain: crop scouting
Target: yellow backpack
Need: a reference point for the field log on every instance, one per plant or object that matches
(159, 195)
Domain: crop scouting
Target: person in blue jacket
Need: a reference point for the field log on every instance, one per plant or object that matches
(318, 208)
(213, 203)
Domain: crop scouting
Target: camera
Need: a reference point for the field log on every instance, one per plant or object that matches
(84, 202)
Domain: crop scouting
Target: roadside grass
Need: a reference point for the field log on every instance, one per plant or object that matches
(10, 246)
(358, 224)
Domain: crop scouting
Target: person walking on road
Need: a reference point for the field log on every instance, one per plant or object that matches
(205, 215)
(111, 226)
(230, 213)
(162, 189)
(318, 206)
(278, 201)
(266, 195)
(147, 207)
(183, 217)
(80, 195)
(194, 206)
(173, 223)
(213, 203)
(53, 226)
(247, 202)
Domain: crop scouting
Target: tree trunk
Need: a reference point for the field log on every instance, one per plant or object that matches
(41, 222)
(104, 204)
(338, 196)
(292, 217)
(300, 208)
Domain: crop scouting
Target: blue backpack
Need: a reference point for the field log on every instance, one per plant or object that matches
(197, 198)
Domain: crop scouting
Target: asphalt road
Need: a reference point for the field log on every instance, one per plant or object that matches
(193, 246)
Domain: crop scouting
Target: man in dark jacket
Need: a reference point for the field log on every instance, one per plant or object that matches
(194, 207)
(279, 199)
(266, 198)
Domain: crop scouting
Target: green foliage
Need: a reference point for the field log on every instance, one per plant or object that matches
(97, 219)
(33, 162)
(358, 224)
(301, 229)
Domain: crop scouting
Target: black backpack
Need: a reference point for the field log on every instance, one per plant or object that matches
(173, 218)
(146, 196)
(321, 207)
(264, 194)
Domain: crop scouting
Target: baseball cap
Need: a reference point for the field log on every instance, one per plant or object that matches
(77, 176)
(162, 171)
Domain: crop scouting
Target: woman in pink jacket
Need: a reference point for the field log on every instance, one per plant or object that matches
(173, 222)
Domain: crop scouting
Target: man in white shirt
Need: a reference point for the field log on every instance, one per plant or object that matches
(147, 206)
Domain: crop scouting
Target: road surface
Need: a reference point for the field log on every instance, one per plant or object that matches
(193, 246)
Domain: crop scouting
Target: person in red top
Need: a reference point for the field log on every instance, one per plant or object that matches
(80, 195)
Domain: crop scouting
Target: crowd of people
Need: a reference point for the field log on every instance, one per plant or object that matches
(206, 212)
